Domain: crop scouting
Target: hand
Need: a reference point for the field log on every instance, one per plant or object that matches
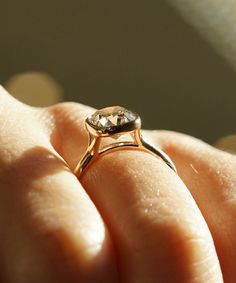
(130, 219)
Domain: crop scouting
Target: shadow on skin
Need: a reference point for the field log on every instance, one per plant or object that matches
(17, 182)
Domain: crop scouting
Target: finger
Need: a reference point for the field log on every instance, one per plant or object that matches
(51, 231)
(210, 176)
(158, 231)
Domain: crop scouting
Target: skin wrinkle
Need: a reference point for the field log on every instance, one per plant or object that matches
(211, 275)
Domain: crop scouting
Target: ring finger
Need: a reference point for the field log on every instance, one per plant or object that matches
(159, 233)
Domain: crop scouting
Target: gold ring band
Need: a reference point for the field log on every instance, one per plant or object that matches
(116, 123)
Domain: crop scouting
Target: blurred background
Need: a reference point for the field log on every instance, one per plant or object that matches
(173, 61)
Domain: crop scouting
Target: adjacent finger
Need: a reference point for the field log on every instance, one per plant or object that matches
(210, 176)
(51, 230)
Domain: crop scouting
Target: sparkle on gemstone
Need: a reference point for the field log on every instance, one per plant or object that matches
(111, 117)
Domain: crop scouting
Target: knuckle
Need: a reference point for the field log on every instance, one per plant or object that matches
(195, 254)
(198, 258)
(188, 249)
(68, 109)
(67, 126)
(71, 256)
(68, 115)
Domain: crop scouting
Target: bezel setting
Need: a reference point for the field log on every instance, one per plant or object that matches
(112, 120)
(124, 128)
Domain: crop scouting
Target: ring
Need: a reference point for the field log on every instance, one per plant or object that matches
(115, 128)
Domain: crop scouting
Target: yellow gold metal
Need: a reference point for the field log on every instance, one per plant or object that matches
(98, 134)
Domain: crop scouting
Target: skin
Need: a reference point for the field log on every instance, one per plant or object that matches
(130, 218)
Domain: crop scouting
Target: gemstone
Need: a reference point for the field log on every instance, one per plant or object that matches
(111, 117)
